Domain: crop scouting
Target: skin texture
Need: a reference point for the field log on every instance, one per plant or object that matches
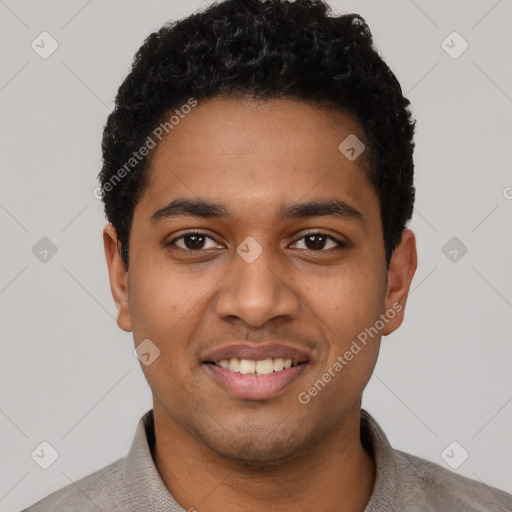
(215, 451)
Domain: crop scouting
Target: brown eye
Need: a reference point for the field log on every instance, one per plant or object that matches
(191, 241)
(319, 241)
(194, 241)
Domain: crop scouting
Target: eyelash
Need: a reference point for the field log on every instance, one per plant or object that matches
(341, 244)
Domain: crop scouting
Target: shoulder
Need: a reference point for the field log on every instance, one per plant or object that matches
(101, 490)
(437, 488)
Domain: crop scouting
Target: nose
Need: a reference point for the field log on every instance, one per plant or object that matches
(257, 291)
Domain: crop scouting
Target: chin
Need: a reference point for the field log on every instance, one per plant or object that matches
(252, 447)
(256, 456)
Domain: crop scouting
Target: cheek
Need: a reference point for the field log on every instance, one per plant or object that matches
(165, 309)
(161, 300)
(349, 317)
(166, 306)
(347, 300)
(347, 307)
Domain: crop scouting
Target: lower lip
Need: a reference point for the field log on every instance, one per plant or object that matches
(253, 387)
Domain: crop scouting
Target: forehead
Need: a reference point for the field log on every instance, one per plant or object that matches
(258, 154)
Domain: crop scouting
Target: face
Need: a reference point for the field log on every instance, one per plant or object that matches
(281, 258)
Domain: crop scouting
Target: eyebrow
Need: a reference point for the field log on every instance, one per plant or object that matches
(205, 209)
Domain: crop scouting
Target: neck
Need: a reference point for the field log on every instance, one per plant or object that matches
(336, 475)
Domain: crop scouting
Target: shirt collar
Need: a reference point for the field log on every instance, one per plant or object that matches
(148, 491)
(387, 491)
(141, 478)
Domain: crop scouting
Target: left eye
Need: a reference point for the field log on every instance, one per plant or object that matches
(317, 241)
(312, 241)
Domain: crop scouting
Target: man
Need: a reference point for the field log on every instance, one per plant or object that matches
(257, 179)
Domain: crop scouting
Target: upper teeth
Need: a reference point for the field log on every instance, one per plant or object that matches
(263, 367)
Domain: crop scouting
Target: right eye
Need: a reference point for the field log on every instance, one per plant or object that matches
(193, 241)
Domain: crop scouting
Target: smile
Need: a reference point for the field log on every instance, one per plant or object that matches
(261, 367)
(255, 380)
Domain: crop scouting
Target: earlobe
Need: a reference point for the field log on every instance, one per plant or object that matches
(402, 267)
(118, 277)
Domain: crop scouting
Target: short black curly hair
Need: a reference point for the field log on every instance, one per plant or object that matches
(273, 49)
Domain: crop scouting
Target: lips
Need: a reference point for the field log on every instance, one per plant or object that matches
(249, 375)
(256, 352)
(253, 387)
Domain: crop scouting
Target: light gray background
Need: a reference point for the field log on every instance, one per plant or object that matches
(67, 372)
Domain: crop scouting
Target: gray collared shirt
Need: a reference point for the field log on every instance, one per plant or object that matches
(402, 483)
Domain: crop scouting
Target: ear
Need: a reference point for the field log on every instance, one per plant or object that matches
(400, 273)
(118, 277)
